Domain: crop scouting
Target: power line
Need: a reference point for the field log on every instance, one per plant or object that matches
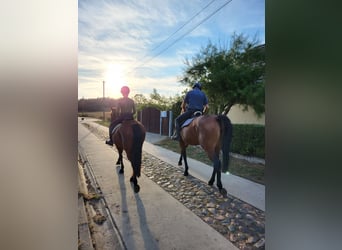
(181, 37)
(178, 29)
(184, 24)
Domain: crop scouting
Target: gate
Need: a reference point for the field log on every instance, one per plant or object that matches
(156, 121)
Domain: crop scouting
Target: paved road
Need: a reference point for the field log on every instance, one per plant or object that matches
(151, 219)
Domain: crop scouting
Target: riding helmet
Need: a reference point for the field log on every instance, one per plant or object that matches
(197, 85)
(125, 90)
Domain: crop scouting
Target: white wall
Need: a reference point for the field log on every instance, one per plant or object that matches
(237, 116)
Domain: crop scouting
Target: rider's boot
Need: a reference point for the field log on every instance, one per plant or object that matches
(175, 136)
(109, 142)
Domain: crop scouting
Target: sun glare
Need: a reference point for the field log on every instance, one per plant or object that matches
(114, 80)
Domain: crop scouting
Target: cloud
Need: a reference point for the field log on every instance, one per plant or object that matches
(130, 33)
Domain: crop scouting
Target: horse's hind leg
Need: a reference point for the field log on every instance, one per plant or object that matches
(212, 179)
(216, 171)
(212, 157)
(222, 190)
(180, 160)
(120, 161)
(183, 153)
(135, 183)
(121, 164)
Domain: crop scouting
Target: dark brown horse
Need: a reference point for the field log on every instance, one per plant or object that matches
(130, 136)
(213, 133)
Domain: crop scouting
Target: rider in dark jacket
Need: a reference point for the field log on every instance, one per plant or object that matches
(195, 100)
(125, 110)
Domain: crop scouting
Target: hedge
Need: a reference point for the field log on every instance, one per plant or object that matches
(248, 140)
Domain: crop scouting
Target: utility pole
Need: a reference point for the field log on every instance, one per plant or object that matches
(104, 118)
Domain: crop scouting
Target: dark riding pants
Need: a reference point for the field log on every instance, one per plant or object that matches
(182, 118)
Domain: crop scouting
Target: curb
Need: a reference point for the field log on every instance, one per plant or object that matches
(85, 241)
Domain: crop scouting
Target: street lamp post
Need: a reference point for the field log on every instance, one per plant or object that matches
(104, 118)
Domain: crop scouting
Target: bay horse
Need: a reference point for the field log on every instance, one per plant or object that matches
(213, 133)
(129, 136)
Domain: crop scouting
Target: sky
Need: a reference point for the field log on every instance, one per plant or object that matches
(144, 43)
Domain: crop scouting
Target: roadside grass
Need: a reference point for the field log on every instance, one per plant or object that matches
(104, 123)
(251, 171)
(97, 114)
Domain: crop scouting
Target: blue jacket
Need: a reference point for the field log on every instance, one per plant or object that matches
(195, 99)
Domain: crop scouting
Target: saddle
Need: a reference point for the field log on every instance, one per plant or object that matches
(126, 117)
(189, 120)
(116, 127)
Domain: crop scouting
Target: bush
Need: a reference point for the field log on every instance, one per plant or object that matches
(248, 140)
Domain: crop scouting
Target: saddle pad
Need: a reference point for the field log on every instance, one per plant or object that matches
(187, 122)
(116, 127)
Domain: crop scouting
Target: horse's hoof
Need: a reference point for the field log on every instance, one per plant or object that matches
(136, 188)
(121, 171)
(131, 179)
(117, 163)
(210, 183)
(223, 191)
(179, 164)
(186, 173)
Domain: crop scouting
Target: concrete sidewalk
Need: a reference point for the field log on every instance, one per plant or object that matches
(151, 219)
(245, 190)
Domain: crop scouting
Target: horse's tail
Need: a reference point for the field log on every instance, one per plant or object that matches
(226, 138)
(138, 140)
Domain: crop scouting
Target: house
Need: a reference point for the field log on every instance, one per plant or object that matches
(238, 116)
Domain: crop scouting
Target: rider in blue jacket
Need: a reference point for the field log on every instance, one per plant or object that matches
(195, 100)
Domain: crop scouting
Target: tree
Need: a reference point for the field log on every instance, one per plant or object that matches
(229, 77)
(155, 100)
(159, 101)
(140, 101)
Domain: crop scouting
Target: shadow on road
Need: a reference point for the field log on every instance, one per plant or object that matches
(149, 240)
(126, 223)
